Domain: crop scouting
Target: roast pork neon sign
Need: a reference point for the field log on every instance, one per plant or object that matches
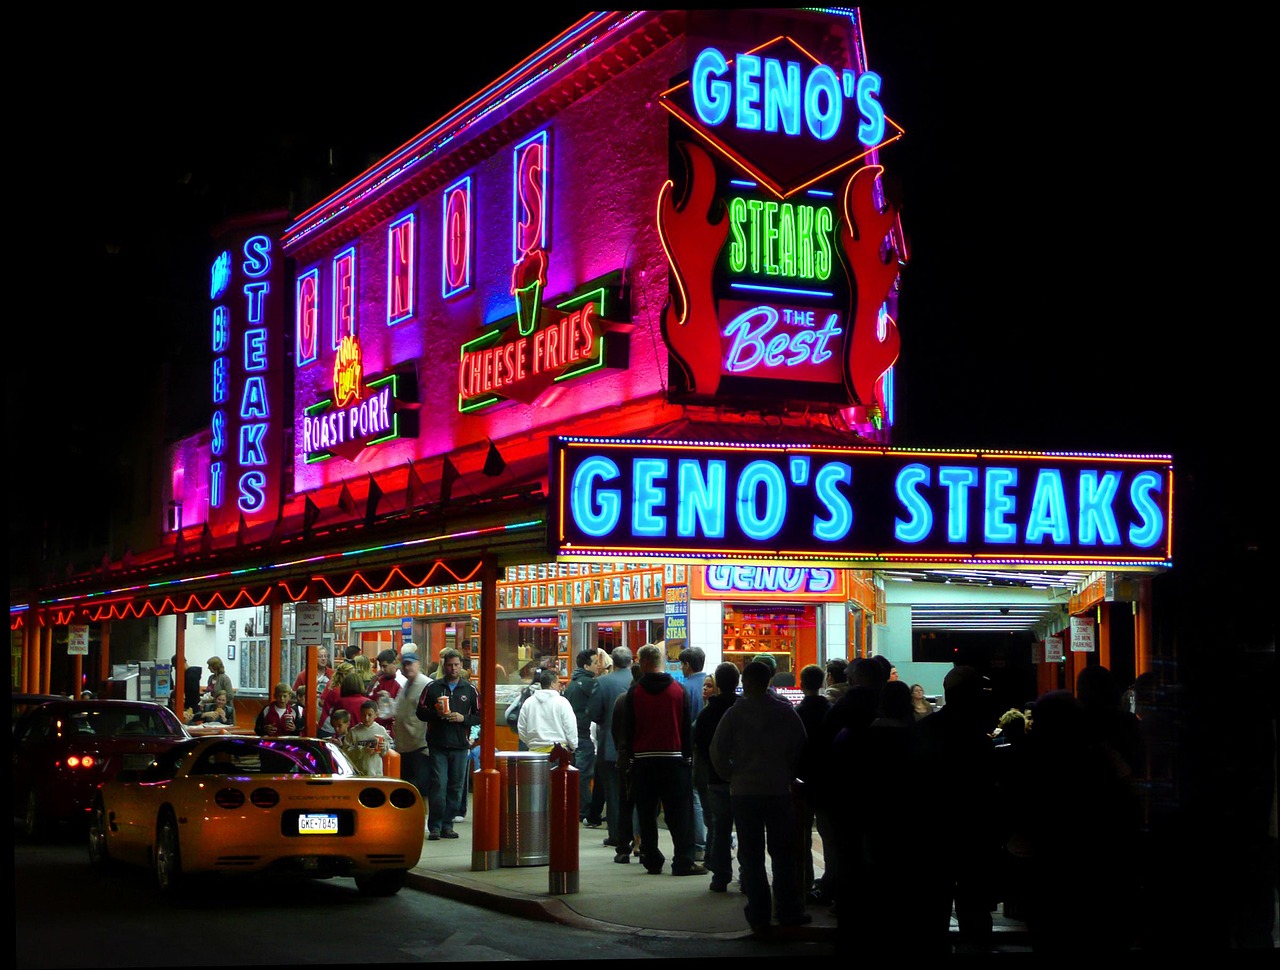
(384, 409)
(841, 504)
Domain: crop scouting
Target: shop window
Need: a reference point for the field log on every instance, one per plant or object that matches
(751, 629)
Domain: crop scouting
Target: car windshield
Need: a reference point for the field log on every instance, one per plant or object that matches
(107, 722)
(271, 756)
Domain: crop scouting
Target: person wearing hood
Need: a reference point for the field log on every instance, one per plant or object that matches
(656, 732)
(546, 718)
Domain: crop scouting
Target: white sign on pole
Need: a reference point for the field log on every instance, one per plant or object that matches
(78, 640)
(1053, 650)
(1082, 634)
(309, 622)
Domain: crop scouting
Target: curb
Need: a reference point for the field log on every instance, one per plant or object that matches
(557, 911)
(547, 910)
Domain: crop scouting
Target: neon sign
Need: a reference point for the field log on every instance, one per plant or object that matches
(769, 93)
(348, 372)
(790, 581)
(510, 361)
(244, 429)
(529, 235)
(382, 410)
(780, 114)
(780, 239)
(220, 275)
(307, 316)
(344, 296)
(456, 248)
(842, 504)
(765, 341)
(400, 270)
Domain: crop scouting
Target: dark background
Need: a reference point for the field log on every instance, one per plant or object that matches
(1074, 186)
(1083, 192)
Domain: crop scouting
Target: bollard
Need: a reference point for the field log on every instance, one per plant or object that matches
(563, 877)
(487, 802)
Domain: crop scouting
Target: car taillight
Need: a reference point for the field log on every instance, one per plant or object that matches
(265, 797)
(405, 797)
(81, 761)
(229, 798)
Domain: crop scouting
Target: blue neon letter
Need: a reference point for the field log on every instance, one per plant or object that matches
(711, 98)
(871, 129)
(957, 480)
(585, 514)
(1097, 517)
(999, 504)
(700, 498)
(782, 94)
(824, 485)
(921, 522)
(1152, 528)
(823, 119)
(768, 474)
(646, 496)
(1048, 514)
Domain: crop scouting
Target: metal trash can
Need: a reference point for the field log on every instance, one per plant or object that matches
(526, 824)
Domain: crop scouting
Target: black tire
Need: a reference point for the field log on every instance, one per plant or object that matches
(380, 883)
(167, 857)
(34, 824)
(99, 854)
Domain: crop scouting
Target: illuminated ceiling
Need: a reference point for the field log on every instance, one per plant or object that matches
(984, 600)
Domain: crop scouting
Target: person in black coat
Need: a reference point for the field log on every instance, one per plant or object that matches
(812, 710)
(713, 789)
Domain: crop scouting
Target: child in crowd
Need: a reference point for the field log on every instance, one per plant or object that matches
(370, 737)
(283, 717)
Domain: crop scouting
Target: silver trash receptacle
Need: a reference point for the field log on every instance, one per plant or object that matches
(526, 825)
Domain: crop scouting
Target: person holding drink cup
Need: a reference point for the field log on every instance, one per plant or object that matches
(371, 736)
(283, 717)
(450, 707)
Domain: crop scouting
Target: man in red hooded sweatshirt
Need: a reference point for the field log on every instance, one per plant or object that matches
(656, 732)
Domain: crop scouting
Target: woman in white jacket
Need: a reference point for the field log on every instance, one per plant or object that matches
(546, 718)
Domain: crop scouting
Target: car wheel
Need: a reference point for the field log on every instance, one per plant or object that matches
(99, 856)
(168, 855)
(33, 822)
(380, 883)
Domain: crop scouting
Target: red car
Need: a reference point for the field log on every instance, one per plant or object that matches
(64, 749)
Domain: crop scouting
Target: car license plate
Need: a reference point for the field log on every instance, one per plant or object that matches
(137, 762)
(318, 823)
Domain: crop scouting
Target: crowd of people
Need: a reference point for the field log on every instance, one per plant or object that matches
(922, 809)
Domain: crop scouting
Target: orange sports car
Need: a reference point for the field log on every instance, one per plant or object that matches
(231, 803)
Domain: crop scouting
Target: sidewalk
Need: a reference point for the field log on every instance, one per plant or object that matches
(614, 897)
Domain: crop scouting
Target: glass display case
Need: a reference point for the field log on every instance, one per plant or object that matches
(751, 629)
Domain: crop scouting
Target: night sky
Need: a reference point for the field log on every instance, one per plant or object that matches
(1069, 187)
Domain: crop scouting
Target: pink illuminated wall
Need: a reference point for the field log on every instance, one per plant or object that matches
(596, 226)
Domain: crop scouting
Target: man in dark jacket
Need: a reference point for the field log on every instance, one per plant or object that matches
(657, 734)
(578, 693)
(709, 784)
(450, 707)
(600, 710)
(814, 766)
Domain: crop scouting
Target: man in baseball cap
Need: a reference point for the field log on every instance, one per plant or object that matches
(410, 734)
